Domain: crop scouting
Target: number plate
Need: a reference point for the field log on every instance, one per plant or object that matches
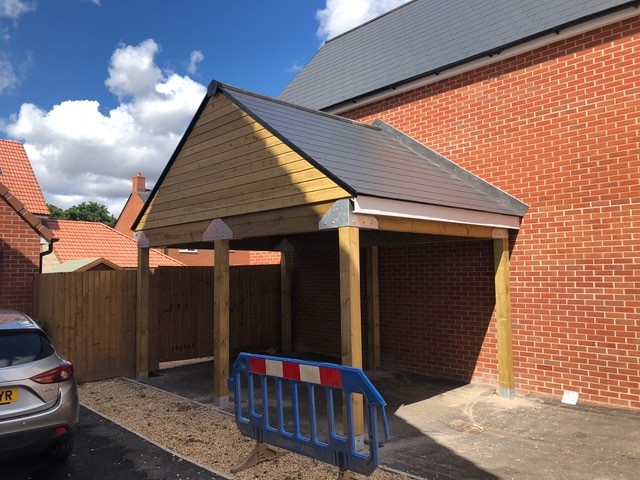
(8, 395)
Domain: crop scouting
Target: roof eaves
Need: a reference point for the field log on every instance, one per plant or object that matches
(488, 53)
(33, 221)
(518, 207)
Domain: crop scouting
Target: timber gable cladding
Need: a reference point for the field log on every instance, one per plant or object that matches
(229, 165)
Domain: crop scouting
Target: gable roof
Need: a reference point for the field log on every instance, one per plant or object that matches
(78, 239)
(427, 36)
(373, 160)
(31, 220)
(370, 161)
(17, 175)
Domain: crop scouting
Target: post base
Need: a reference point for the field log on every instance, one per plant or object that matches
(507, 393)
(142, 376)
(221, 402)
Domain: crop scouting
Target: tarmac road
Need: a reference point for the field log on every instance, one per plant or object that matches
(106, 451)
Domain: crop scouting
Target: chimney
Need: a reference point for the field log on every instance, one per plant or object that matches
(139, 183)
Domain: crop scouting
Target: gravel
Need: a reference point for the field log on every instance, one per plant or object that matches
(202, 434)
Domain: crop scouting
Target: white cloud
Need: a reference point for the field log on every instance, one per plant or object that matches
(196, 57)
(13, 9)
(341, 15)
(8, 77)
(294, 68)
(80, 154)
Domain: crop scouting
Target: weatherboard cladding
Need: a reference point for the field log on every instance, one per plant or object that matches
(425, 36)
(373, 161)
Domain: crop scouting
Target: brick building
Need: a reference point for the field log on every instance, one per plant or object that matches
(22, 234)
(542, 101)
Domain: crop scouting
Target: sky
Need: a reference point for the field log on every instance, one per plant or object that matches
(99, 90)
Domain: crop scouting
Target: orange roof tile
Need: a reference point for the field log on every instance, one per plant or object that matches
(17, 175)
(33, 221)
(77, 239)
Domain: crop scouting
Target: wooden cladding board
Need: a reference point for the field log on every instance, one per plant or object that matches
(231, 165)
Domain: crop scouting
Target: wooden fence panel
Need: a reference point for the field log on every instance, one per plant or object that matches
(91, 316)
(183, 307)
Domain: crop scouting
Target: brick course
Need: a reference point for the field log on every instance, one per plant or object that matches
(19, 260)
(559, 129)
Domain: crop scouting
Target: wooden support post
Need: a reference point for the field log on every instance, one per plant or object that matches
(373, 308)
(349, 245)
(221, 323)
(285, 303)
(142, 315)
(503, 318)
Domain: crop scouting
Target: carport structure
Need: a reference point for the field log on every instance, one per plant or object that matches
(256, 173)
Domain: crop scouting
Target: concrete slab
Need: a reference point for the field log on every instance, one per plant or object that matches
(449, 430)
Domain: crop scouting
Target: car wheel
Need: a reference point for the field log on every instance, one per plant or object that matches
(61, 451)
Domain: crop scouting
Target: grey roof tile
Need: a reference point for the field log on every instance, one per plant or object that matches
(424, 36)
(374, 160)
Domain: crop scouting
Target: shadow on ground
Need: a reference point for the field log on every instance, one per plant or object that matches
(409, 450)
(449, 430)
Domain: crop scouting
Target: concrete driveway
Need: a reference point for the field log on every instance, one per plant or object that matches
(444, 430)
(105, 451)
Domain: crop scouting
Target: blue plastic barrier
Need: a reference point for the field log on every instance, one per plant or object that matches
(339, 450)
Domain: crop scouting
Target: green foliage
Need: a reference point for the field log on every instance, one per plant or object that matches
(56, 212)
(87, 211)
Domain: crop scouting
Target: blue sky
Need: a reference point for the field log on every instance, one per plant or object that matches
(101, 89)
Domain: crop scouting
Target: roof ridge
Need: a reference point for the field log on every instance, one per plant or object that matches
(357, 27)
(214, 85)
(8, 140)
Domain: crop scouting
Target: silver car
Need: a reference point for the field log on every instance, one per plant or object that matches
(38, 396)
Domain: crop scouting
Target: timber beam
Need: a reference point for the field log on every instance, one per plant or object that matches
(503, 318)
(350, 314)
(221, 323)
(142, 313)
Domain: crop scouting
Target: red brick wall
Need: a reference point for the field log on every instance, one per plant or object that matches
(19, 260)
(263, 258)
(436, 302)
(558, 128)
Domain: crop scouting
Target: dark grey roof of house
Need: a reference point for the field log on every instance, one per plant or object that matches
(144, 195)
(377, 160)
(427, 36)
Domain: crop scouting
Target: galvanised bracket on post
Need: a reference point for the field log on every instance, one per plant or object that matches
(341, 215)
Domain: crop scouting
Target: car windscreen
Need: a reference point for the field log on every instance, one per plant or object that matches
(17, 348)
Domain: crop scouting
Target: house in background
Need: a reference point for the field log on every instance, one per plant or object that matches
(23, 236)
(541, 99)
(188, 256)
(95, 245)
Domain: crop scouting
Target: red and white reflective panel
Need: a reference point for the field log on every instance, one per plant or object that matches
(327, 376)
